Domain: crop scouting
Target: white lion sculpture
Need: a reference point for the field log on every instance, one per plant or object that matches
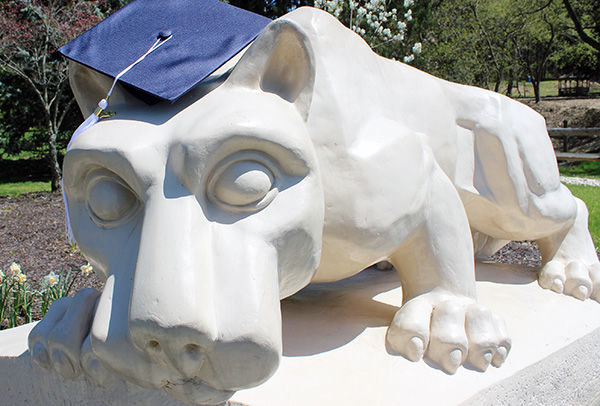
(310, 159)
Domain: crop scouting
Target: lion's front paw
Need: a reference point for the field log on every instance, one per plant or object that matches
(449, 331)
(573, 278)
(61, 342)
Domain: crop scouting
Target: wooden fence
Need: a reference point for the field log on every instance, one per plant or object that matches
(564, 134)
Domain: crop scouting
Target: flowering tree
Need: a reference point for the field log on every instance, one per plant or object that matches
(30, 33)
(383, 24)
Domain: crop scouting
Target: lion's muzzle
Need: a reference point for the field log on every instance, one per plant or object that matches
(203, 319)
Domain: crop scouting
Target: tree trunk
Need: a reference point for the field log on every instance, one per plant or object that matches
(53, 161)
(536, 89)
(509, 85)
(497, 82)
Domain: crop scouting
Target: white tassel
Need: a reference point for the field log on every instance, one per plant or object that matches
(90, 121)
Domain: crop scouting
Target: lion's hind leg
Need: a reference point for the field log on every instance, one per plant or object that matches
(517, 195)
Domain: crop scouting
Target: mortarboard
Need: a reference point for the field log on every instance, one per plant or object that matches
(203, 35)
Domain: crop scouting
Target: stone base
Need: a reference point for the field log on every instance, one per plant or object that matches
(335, 354)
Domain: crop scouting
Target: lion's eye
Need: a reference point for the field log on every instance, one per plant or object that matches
(110, 201)
(243, 185)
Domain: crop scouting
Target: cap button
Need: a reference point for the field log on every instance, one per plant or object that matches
(164, 34)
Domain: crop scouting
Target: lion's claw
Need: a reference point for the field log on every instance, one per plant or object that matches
(449, 331)
(574, 279)
(60, 341)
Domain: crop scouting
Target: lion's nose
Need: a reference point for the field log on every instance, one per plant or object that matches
(183, 347)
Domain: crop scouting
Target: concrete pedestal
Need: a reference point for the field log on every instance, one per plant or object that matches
(335, 354)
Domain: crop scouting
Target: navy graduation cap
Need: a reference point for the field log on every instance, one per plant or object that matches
(195, 37)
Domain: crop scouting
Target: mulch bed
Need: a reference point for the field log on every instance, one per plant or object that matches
(32, 233)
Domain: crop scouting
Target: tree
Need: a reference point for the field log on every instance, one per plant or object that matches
(486, 42)
(30, 33)
(543, 23)
(466, 41)
(574, 58)
(585, 15)
(382, 24)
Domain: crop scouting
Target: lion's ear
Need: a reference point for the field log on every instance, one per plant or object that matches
(90, 86)
(280, 61)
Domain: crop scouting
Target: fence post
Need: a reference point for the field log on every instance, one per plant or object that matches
(565, 137)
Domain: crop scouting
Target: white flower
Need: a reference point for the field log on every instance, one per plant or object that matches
(14, 269)
(417, 48)
(408, 59)
(20, 278)
(50, 280)
(408, 3)
(408, 15)
(401, 26)
(86, 269)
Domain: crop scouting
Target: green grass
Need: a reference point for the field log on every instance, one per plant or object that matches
(591, 196)
(586, 169)
(16, 189)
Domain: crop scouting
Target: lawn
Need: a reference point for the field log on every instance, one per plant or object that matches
(591, 196)
(23, 173)
(16, 189)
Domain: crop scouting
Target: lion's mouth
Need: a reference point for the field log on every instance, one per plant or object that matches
(194, 390)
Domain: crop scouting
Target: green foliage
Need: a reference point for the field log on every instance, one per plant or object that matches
(585, 18)
(498, 43)
(591, 196)
(469, 41)
(574, 58)
(22, 118)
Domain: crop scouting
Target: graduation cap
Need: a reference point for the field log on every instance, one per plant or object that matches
(195, 38)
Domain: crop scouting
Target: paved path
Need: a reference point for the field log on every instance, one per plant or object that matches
(571, 180)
